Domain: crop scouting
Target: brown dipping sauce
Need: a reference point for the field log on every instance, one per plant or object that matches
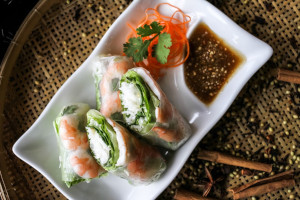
(210, 64)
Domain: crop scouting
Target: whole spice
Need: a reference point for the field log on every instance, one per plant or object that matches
(218, 157)
(246, 172)
(288, 76)
(210, 184)
(265, 185)
(182, 194)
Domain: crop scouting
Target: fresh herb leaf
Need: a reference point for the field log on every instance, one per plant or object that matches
(69, 110)
(81, 124)
(136, 48)
(162, 50)
(154, 98)
(145, 30)
(115, 84)
(118, 117)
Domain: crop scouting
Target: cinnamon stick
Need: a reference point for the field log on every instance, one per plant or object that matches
(218, 157)
(182, 194)
(265, 185)
(288, 76)
(281, 176)
(262, 189)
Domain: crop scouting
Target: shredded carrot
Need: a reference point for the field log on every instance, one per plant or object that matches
(176, 27)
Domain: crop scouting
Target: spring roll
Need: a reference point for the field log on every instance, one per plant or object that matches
(107, 75)
(76, 162)
(121, 153)
(148, 112)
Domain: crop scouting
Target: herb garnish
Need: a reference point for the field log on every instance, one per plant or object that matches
(137, 48)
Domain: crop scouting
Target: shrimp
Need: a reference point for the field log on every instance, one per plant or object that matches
(84, 165)
(137, 168)
(167, 135)
(70, 136)
(111, 102)
(140, 166)
(164, 114)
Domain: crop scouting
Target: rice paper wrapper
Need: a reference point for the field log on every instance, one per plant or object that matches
(169, 130)
(107, 72)
(76, 161)
(137, 162)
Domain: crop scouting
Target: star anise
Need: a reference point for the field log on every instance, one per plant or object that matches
(208, 186)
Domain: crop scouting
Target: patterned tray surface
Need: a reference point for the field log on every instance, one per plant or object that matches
(266, 108)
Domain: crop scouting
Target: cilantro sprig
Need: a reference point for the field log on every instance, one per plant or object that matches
(137, 48)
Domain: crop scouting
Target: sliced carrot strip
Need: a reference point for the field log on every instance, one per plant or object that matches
(176, 27)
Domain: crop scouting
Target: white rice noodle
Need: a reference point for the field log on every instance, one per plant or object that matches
(151, 83)
(133, 100)
(100, 149)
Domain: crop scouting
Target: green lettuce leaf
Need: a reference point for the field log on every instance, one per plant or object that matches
(98, 122)
(149, 101)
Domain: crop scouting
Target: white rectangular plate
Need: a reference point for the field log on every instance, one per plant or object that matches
(38, 145)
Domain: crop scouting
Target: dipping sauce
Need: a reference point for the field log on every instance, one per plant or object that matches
(210, 64)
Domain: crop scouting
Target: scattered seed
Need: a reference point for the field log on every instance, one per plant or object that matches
(287, 132)
(295, 116)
